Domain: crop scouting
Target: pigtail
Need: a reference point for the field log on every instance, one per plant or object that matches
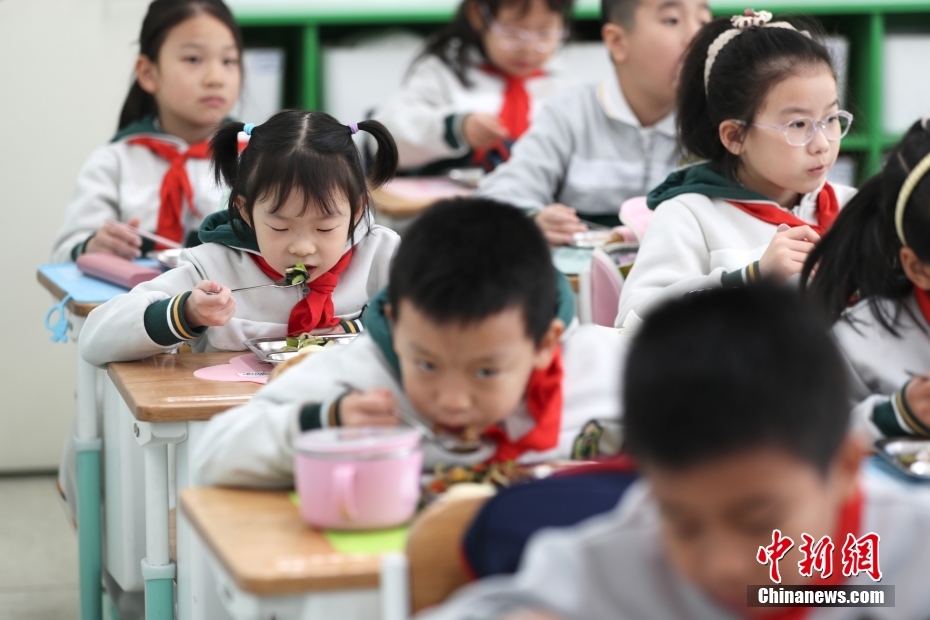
(385, 160)
(225, 154)
(137, 106)
(856, 258)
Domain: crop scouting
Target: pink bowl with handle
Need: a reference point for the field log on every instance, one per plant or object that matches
(358, 478)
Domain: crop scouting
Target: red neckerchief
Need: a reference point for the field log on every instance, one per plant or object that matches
(514, 114)
(315, 311)
(923, 302)
(828, 207)
(175, 186)
(544, 404)
(849, 522)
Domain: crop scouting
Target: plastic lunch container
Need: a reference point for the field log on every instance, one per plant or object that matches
(358, 478)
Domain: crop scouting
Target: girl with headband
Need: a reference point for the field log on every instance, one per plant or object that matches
(758, 104)
(871, 274)
(297, 195)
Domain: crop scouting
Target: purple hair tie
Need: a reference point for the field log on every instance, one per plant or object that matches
(353, 127)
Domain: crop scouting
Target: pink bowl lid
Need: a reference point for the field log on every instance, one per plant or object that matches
(360, 440)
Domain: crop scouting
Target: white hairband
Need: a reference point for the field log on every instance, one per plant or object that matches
(906, 190)
(749, 19)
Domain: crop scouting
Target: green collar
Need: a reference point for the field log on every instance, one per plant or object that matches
(145, 125)
(217, 228)
(702, 179)
(376, 324)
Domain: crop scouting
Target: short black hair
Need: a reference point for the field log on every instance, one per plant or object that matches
(621, 12)
(742, 75)
(727, 370)
(466, 259)
(303, 151)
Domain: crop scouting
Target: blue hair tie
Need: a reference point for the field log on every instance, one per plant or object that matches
(247, 129)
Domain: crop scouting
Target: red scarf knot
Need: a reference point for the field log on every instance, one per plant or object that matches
(828, 207)
(316, 310)
(544, 404)
(175, 186)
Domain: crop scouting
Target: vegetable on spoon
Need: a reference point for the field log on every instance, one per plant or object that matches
(297, 274)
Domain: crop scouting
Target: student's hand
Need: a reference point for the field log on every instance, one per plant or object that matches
(114, 239)
(787, 252)
(482, 131)
(917, 394)
(559, 224)
(209, 310)
(370, 408)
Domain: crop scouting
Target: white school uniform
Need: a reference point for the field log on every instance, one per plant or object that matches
(695, 241)
(118, 330)
(425, 117)
(614, 566)
(879, 362)
(586, 149)
(252, 445)
(121, 181)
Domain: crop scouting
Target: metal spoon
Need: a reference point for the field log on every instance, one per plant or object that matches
(447, 442)
(279, 283)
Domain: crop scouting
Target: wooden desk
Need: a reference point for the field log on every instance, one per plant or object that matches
(263, 543)
(163, 388)
(154, 403)
(405, 197)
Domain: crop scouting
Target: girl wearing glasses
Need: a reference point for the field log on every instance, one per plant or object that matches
(475, 87)
(871, 274)
(758, 102)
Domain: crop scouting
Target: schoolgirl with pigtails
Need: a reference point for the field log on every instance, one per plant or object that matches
(297, 195)
(758, 105)
(871, 274)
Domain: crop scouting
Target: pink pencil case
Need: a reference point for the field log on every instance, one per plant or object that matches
(115, 270)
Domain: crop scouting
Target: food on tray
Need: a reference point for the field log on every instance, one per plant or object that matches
(496, 474)
(921, 456)
(297, 274)
(304, 341)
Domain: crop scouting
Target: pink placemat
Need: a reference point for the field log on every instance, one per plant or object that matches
(242, 368)
(425, 188)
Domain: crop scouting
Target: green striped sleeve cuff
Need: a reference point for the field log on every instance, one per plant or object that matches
(894, 417)
(165, 323)
(79, 248)
(351, 326)
(319, 415)
(453, 133)
(746, 275)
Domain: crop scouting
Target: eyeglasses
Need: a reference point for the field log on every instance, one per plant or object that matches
(512, 39)
(801, 131)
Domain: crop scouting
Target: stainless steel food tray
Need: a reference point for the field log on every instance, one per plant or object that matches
(910, 456)
(269, 349)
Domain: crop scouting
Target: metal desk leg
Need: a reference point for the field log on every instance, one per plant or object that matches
(158, 570)
(87, 445)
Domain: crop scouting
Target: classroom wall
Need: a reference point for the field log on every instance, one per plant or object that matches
(64, 70)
